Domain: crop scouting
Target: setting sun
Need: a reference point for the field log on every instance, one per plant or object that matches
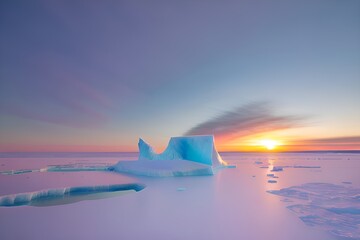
(269, 144)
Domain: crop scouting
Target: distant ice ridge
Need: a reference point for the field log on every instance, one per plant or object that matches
(31, 198)
(184, 156)
(72, 167)
(334, 208)
(77, 167)
(281, 168)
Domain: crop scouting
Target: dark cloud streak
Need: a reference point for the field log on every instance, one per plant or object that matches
(249, 119)
(333, 140)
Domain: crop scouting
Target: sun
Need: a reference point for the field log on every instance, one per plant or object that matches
(269, 144)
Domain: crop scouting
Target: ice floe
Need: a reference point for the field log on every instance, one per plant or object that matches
(20, 171)
(297, 166)
(67, 195)
(271, 175)
(334, 208)
(277, 169)
(281, 168)
(78, 167)
(73, 167)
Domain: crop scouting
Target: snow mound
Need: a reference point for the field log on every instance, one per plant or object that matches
(184, 156)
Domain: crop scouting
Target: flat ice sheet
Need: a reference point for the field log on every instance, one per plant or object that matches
(233, 204)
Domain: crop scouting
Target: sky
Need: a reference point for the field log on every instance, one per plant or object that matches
(97, 75)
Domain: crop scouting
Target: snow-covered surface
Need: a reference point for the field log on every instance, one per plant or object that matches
(334, 208)
(184, 156)
(232, 204)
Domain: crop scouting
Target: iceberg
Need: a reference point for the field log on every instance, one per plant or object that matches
(184, 156)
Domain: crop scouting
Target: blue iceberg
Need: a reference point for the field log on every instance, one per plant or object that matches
(184, 156)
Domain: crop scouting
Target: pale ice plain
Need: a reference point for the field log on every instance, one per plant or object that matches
(235, 203)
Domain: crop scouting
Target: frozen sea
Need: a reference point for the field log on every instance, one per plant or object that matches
(282, 196)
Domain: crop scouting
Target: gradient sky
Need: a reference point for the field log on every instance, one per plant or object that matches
(96, 75)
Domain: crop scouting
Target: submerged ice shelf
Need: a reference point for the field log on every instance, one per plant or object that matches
(334, 208)
(66, 195)
(184, 156)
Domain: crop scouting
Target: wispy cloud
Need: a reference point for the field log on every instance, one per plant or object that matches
(334, 141)
(249, 119)
(330, 143)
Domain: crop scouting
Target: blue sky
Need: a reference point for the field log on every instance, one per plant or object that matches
(102, 73)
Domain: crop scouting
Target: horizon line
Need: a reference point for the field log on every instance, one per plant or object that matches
(324, 150)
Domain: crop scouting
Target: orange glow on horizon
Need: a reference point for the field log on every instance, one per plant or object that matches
(274, 144)
(286, 148)
(255, 143)
(222, 148)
